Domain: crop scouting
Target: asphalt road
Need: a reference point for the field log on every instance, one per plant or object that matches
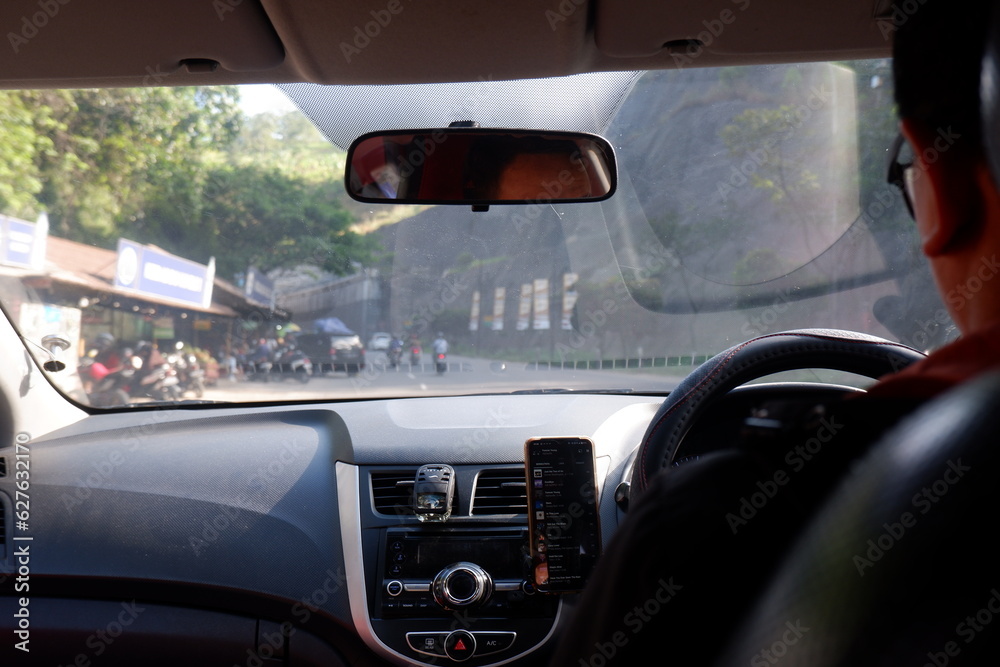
(465, 375)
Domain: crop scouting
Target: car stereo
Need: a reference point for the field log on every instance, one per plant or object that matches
(484, 572)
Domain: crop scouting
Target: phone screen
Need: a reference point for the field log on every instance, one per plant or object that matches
(562, 512)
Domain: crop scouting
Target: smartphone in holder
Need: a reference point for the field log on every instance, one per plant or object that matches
(565, 532)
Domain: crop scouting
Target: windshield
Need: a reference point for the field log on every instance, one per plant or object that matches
(198, 244)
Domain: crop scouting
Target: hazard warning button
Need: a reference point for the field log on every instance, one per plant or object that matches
(460, 645)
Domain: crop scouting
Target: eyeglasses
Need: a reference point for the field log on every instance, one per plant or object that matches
(900, 172)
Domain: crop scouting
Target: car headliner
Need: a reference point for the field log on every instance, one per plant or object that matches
(64, 43)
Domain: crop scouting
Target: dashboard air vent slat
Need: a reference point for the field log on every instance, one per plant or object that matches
(392, 491)
(500, 491)
(3, 467)
(3, 531)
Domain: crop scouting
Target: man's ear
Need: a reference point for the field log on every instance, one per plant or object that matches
(946, 191)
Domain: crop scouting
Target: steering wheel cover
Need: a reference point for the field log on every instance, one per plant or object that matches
(833, 349)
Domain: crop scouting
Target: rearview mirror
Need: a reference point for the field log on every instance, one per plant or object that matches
(480, 167)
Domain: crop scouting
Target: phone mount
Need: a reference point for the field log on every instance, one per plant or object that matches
(433, 490)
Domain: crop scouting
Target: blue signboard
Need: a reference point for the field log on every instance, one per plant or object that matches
(258, 288)
(22, 243)
(155, 272)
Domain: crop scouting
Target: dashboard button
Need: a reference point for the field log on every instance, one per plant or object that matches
(493, 642)
(431, 643)
(394, 587)
(460, 645)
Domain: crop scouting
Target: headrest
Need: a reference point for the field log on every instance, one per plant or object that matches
(898, 564)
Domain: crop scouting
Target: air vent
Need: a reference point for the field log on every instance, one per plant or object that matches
(500, 491)
(3, 531)
(3, 467)
(393, 491)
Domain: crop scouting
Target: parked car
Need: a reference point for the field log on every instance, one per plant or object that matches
(380, 341)
(333, 353)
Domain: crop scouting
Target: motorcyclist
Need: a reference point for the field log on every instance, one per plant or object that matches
(440, 345)
(101, 360)
(262, 353)
(415, 349)
(395, 350)
(150, 356)
(107, 353)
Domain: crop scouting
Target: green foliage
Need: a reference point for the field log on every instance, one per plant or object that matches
(290, 143)
(778, 174)
(758, 266)
(249, 215)
(19, 145)
(109, 148)
(181, 168)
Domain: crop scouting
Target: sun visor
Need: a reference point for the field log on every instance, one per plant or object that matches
(683, 31)
(583, 102)
(148, 40)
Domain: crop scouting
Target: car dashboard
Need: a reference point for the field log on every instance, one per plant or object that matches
(283, 534)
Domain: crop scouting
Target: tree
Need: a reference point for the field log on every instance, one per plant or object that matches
(180, 168)
(20, 144)
(247, 216)
(109, 147)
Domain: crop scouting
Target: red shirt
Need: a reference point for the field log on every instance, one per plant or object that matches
(944, 368)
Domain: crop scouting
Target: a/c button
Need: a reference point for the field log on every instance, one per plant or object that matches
(492, 642)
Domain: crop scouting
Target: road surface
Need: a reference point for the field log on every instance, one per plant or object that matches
(465, 375)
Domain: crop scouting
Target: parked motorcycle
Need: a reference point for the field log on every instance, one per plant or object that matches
(291, 363)
(154, 376)
(159, 383)
(258, 371)
(190, 374)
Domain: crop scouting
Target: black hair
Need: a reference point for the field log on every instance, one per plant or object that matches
(937, 54)
(490, 156)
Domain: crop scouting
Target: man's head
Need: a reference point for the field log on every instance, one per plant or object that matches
(535, 169)
(938, 51)
(527, 176)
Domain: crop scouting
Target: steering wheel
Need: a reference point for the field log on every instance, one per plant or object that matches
(772, 353)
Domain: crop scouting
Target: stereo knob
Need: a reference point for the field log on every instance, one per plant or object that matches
(462, 585)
